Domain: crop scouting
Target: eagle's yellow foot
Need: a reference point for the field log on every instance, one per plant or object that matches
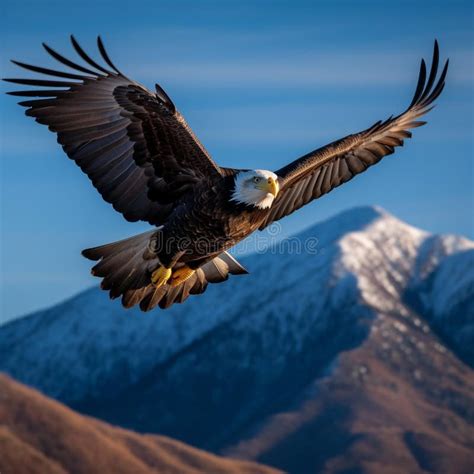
(160, 276)
(181, 275)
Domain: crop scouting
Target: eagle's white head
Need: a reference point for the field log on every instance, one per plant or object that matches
(256, 188)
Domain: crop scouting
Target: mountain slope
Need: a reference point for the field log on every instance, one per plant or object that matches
(39, 435)
(398, 403)
(231, 371)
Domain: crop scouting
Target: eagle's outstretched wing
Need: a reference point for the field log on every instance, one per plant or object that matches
(322, 170)
(133, 144)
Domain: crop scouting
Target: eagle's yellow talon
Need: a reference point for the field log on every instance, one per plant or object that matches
(160, 276)
(181, 275)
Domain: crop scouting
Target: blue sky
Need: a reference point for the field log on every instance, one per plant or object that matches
(261, 83)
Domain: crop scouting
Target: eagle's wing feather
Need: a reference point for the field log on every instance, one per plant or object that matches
(322, 170)
(133, 144)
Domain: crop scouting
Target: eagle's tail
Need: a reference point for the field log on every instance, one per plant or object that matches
(126, 267)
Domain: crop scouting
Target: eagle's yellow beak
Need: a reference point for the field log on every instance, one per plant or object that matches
(270, 186)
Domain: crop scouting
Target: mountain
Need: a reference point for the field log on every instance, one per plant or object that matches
(347, 349)
(39, 435)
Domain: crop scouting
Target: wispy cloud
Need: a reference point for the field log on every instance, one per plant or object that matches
(306, 70)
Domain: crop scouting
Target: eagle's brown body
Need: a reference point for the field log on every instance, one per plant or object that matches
(143, 158)
(206, 224)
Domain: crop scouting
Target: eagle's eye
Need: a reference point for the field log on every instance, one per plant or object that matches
(257, 179)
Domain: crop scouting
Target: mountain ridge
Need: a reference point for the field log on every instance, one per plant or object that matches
(40, 435)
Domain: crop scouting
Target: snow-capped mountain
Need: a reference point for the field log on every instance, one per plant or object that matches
(232, 370)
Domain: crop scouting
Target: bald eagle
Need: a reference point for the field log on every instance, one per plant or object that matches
(143, 158)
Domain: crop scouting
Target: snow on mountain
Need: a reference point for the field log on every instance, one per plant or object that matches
(246, 348)
(442, 290)
(452, 285)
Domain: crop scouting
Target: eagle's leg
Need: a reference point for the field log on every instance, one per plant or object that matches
(181, 275)
(160, 276)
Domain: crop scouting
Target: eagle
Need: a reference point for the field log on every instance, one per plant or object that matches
(144, 159)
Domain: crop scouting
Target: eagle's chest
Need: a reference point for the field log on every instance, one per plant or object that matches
(214, 223)
(242, 222)
(216, 215)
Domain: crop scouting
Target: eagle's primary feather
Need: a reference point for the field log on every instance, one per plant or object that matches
(320, 171)
(143, 158)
